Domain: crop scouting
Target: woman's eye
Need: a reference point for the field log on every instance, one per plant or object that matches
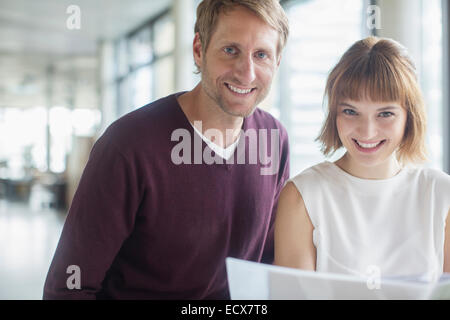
(386, 114)
(349, 112)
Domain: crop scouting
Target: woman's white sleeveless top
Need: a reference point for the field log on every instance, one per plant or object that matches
(395, 226)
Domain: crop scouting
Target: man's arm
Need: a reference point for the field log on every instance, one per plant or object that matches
(100, 218)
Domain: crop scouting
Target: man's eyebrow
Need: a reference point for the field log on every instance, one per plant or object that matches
(226, 43)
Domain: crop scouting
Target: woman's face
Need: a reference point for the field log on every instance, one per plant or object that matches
(370, 131)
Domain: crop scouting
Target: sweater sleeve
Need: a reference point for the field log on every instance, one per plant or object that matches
(100, 218)
(282, 177)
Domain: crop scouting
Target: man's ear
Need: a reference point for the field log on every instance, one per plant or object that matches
(197, 50)
(279, 60)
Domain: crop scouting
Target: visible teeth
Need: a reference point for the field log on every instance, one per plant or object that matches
(237, 90)
(367, 145)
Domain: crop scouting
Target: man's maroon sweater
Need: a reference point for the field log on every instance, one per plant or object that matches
(142, 227)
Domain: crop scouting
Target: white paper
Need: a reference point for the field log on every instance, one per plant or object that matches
(255, 281)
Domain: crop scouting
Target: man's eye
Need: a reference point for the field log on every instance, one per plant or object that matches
(349, 112)
(386, 114)
(261, 55)
(230, 50)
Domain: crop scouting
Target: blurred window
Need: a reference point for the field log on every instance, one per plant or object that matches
(85, 121)
(320, 32)
(164, 77)
(432, 79)
(145, 64)
(164, 36)
(122, 58)
(22, 140)
(142, 82)
(141, 52)
(60, 137)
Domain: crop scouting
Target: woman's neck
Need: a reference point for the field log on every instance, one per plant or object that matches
(385, 170)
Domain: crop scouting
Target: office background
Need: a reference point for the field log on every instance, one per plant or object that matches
(69, 68)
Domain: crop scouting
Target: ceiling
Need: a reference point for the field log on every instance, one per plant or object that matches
(40, 26)
(34, 35)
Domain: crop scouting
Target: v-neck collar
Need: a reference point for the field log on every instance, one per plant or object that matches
(189, 126)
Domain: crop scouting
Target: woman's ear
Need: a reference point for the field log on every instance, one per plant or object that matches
(198, 51)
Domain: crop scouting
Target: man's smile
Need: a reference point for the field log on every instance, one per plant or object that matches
(240, 91)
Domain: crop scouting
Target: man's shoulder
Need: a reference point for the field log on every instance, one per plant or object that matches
(152, 113)
(148, 117)
(144, 123)
(262, 119)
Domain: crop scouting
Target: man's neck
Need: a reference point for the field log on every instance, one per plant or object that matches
(197, 106)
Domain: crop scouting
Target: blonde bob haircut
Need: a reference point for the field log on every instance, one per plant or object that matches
(379, 70)
(270, 11)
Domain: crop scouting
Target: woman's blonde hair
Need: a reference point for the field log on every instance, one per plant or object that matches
(269, 11)
(380, 70)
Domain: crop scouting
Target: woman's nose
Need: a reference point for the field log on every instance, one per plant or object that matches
(367, 129)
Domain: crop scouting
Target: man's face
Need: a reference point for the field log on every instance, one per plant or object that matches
(239, 63)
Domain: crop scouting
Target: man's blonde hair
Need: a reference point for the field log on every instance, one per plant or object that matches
(380, 70)
(269, 11)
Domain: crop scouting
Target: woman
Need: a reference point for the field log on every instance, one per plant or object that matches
(371, 208)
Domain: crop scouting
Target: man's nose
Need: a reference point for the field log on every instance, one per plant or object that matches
(245, 70)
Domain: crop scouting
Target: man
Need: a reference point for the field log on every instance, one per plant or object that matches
(150, 220)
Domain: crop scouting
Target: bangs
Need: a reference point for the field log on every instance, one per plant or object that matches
(374, 79)
(377, 70)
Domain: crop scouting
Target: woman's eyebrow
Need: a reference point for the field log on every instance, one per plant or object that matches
(345, 104)
(388, 108)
